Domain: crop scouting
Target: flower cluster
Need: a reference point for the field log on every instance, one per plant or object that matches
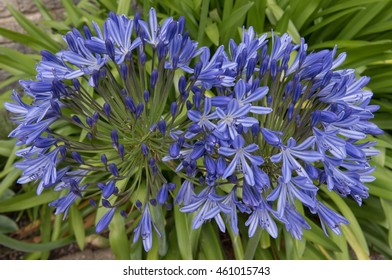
(259, 129)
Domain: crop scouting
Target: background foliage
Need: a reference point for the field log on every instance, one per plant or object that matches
(362, 28)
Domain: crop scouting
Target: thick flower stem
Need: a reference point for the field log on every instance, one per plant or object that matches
(252, 245)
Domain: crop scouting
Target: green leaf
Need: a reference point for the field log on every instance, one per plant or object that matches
(43, 10)
(77, 226)
(353, 226)
(256, 16)
(341, 241)
(45, 228)
(374, 189)
(328, 20)
(7, 195)
(109, 4)
(123, 7)
(73, 14)
(33, 247)
(344, 5)
(27, 200)
(274, 12)
(6, 147)
(14, 67)
(376, 28)
(358, 50)
(7, 225)
(283, 22)
(233, 21)
(33, 30)
(361, 252)
(24, 39)
(203, 19)
(209, 243)
(387, 206)
(4, 84)
(9, 180)
(194, 234)
(265, 240)
(181, 223)
(227, 8)
(317, 236)
(118, 238)
(212, 32)
(23, 62)
(136, 251)
(302, 11)
(300, 245)
(173, 253)
(311, 253)
(352, 28)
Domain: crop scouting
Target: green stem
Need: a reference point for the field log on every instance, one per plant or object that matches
(252, 245)
(237, 244)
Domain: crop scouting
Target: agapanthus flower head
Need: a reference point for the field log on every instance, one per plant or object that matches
(253, 131)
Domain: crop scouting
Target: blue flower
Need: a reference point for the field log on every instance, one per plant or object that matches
(329, 217)
(144, 229)
(154, 34)
(261, 217)
(244, 96)
(203, 120)
(213, 70)
(290, 152)
(247, 49)
(208, 206)
(232, 117)
(295, 222)
(181, 51)
(41, 167)
(297, 188)
(239, 161)
(62, 204)
(185, 194)
(231, 202)
(118, 32)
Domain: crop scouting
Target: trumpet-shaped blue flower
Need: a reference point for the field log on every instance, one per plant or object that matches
(261, 217)
(239, 161)
(144, 229)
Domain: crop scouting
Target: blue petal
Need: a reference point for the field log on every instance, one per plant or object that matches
(105, 220)
(194, 115)
(248, 173)
(251, 148)
(305, 144)
(260, 110)
(252, 222)
(230, 169)
(286, 170)
(307, 156)
(258, 94)
(240, 89)
(238, 142)
(248, 121)
(277, 157)
(226, 151)
(220, 101)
